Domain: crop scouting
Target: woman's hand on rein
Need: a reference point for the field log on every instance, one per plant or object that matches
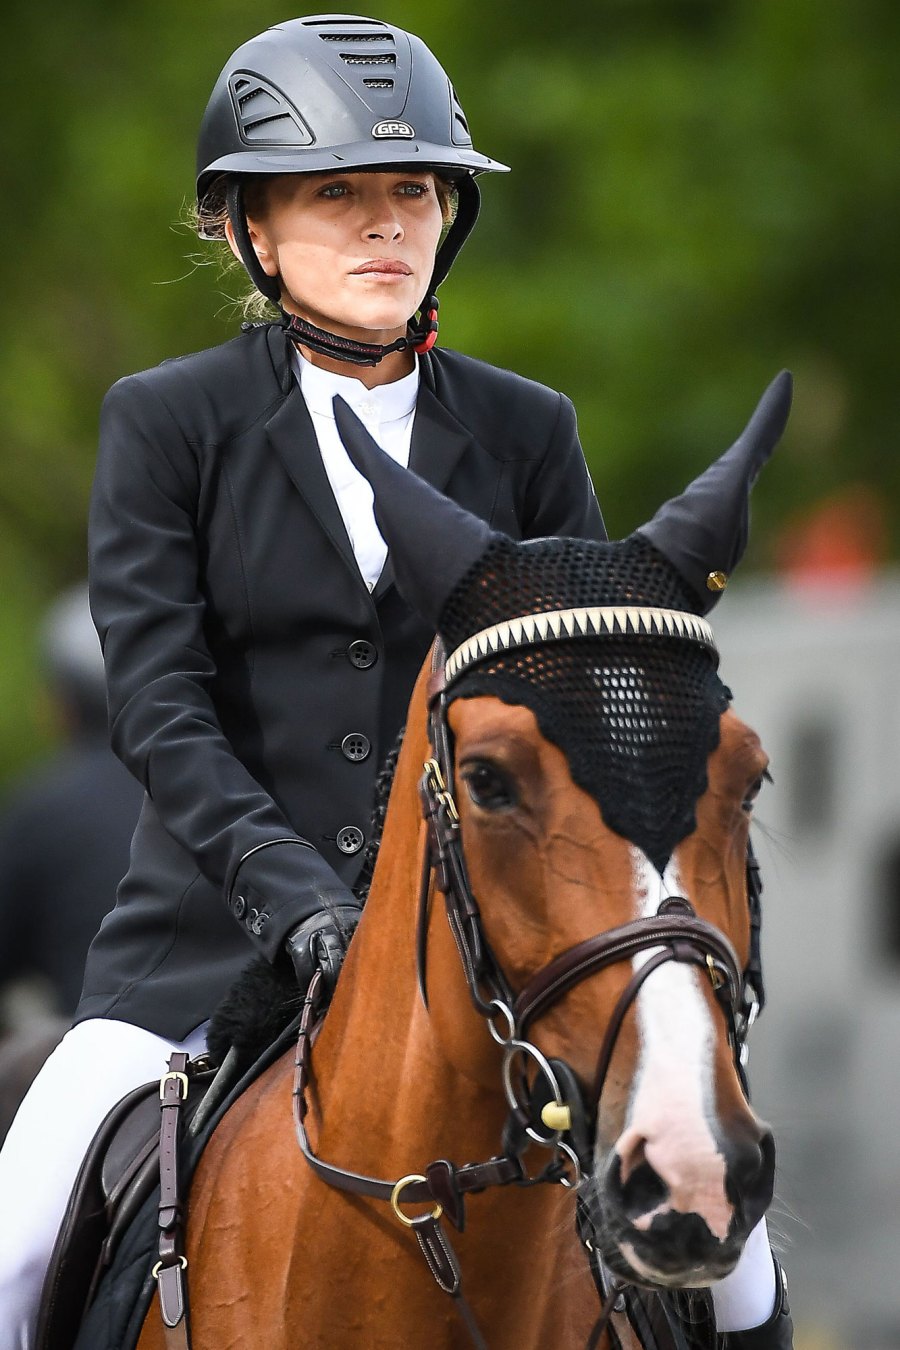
(321, 941)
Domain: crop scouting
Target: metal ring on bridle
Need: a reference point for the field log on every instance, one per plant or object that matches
(569, 1183)
(398, 1191)
(529, 1051)
(498, 1006)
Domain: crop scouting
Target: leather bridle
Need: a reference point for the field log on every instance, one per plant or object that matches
(546, 1105)
(674, 933)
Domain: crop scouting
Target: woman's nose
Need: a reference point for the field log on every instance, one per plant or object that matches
(383, 220)
(385, 229)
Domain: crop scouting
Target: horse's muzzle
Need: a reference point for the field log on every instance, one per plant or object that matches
(644, 1238)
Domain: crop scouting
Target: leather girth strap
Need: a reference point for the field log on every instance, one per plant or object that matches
(169, 1270)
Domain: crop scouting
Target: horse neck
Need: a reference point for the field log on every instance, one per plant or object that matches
(389, 1097)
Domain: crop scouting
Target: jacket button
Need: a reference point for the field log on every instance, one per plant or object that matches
(239, 906)
(362, 654)
(356, 747)
(350, 839)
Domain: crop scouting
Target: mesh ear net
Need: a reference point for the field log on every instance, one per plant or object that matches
(638, 716)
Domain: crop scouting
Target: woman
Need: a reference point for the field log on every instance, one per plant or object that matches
(259, 659)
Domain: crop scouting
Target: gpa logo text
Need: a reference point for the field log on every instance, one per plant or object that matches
(389, 129)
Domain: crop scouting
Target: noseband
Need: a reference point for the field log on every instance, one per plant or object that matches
(546, 1103)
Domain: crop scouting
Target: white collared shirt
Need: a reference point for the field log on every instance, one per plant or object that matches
(387, 412)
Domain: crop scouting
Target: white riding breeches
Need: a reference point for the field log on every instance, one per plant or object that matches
(92, 1068)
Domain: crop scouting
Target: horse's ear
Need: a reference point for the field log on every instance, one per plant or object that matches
(703, 533)
(432, 541)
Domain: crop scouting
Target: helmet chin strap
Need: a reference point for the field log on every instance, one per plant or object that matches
(420, 336)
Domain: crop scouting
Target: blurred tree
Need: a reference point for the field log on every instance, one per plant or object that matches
(703, 191)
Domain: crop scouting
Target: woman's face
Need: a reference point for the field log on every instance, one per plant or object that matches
(354, 251)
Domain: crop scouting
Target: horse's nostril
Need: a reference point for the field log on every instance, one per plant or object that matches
(746, 1168)
(751, 1173)
(641, 1194)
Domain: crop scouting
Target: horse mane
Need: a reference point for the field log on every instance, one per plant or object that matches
(264, 998)
(383, 784)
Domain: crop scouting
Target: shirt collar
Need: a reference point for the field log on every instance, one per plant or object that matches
(384, 403)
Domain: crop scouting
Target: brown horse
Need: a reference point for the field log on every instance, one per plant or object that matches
(677, 1168)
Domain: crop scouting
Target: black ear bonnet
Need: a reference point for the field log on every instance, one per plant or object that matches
(636, 716)
(626, 684)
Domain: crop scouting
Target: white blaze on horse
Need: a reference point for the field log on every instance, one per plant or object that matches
(578, 1022)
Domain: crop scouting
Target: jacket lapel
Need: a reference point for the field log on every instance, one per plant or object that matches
(292, 433)
(438, 440)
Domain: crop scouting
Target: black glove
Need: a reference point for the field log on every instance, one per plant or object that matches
(320, 943)
(776, 1334)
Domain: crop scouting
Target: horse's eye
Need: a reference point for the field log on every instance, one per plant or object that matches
(754, 790)
(488, 786)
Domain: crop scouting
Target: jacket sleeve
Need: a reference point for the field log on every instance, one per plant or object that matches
(561, 498)
(145, 553)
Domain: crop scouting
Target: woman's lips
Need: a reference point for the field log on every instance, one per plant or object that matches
(382, 267)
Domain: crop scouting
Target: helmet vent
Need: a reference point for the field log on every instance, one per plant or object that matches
(461, 132)
(372, 59)
(264, 115)
(357, 37)
(379, 84)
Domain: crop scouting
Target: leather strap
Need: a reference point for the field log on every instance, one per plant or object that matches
(170, 1269)
(444, 1266)
(444, 1184)
(685, 938)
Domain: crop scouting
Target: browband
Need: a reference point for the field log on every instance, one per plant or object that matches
(590, 621)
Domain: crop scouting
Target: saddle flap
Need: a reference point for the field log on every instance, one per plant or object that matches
(131, 1144)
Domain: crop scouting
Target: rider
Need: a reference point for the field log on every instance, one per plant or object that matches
(259, 659)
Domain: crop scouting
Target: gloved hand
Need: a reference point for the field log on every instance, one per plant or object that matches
(320, 943)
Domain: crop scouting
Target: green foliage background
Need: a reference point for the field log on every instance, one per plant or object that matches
(704, 191)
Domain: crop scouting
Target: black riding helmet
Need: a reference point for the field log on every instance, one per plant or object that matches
(345, 92)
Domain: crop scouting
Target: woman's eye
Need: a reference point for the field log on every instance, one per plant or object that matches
(488, 787)
(333, 190)
(414, 189)
(754, 790)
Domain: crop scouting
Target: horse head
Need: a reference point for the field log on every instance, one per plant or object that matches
(604, 788)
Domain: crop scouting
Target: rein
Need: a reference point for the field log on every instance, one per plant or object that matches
(550, 1111)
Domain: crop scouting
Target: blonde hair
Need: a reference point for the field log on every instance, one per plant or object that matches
(210, 216)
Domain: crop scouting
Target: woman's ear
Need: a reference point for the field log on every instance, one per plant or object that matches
(260, 248)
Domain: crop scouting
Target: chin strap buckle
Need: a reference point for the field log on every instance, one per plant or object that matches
(426, 336)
